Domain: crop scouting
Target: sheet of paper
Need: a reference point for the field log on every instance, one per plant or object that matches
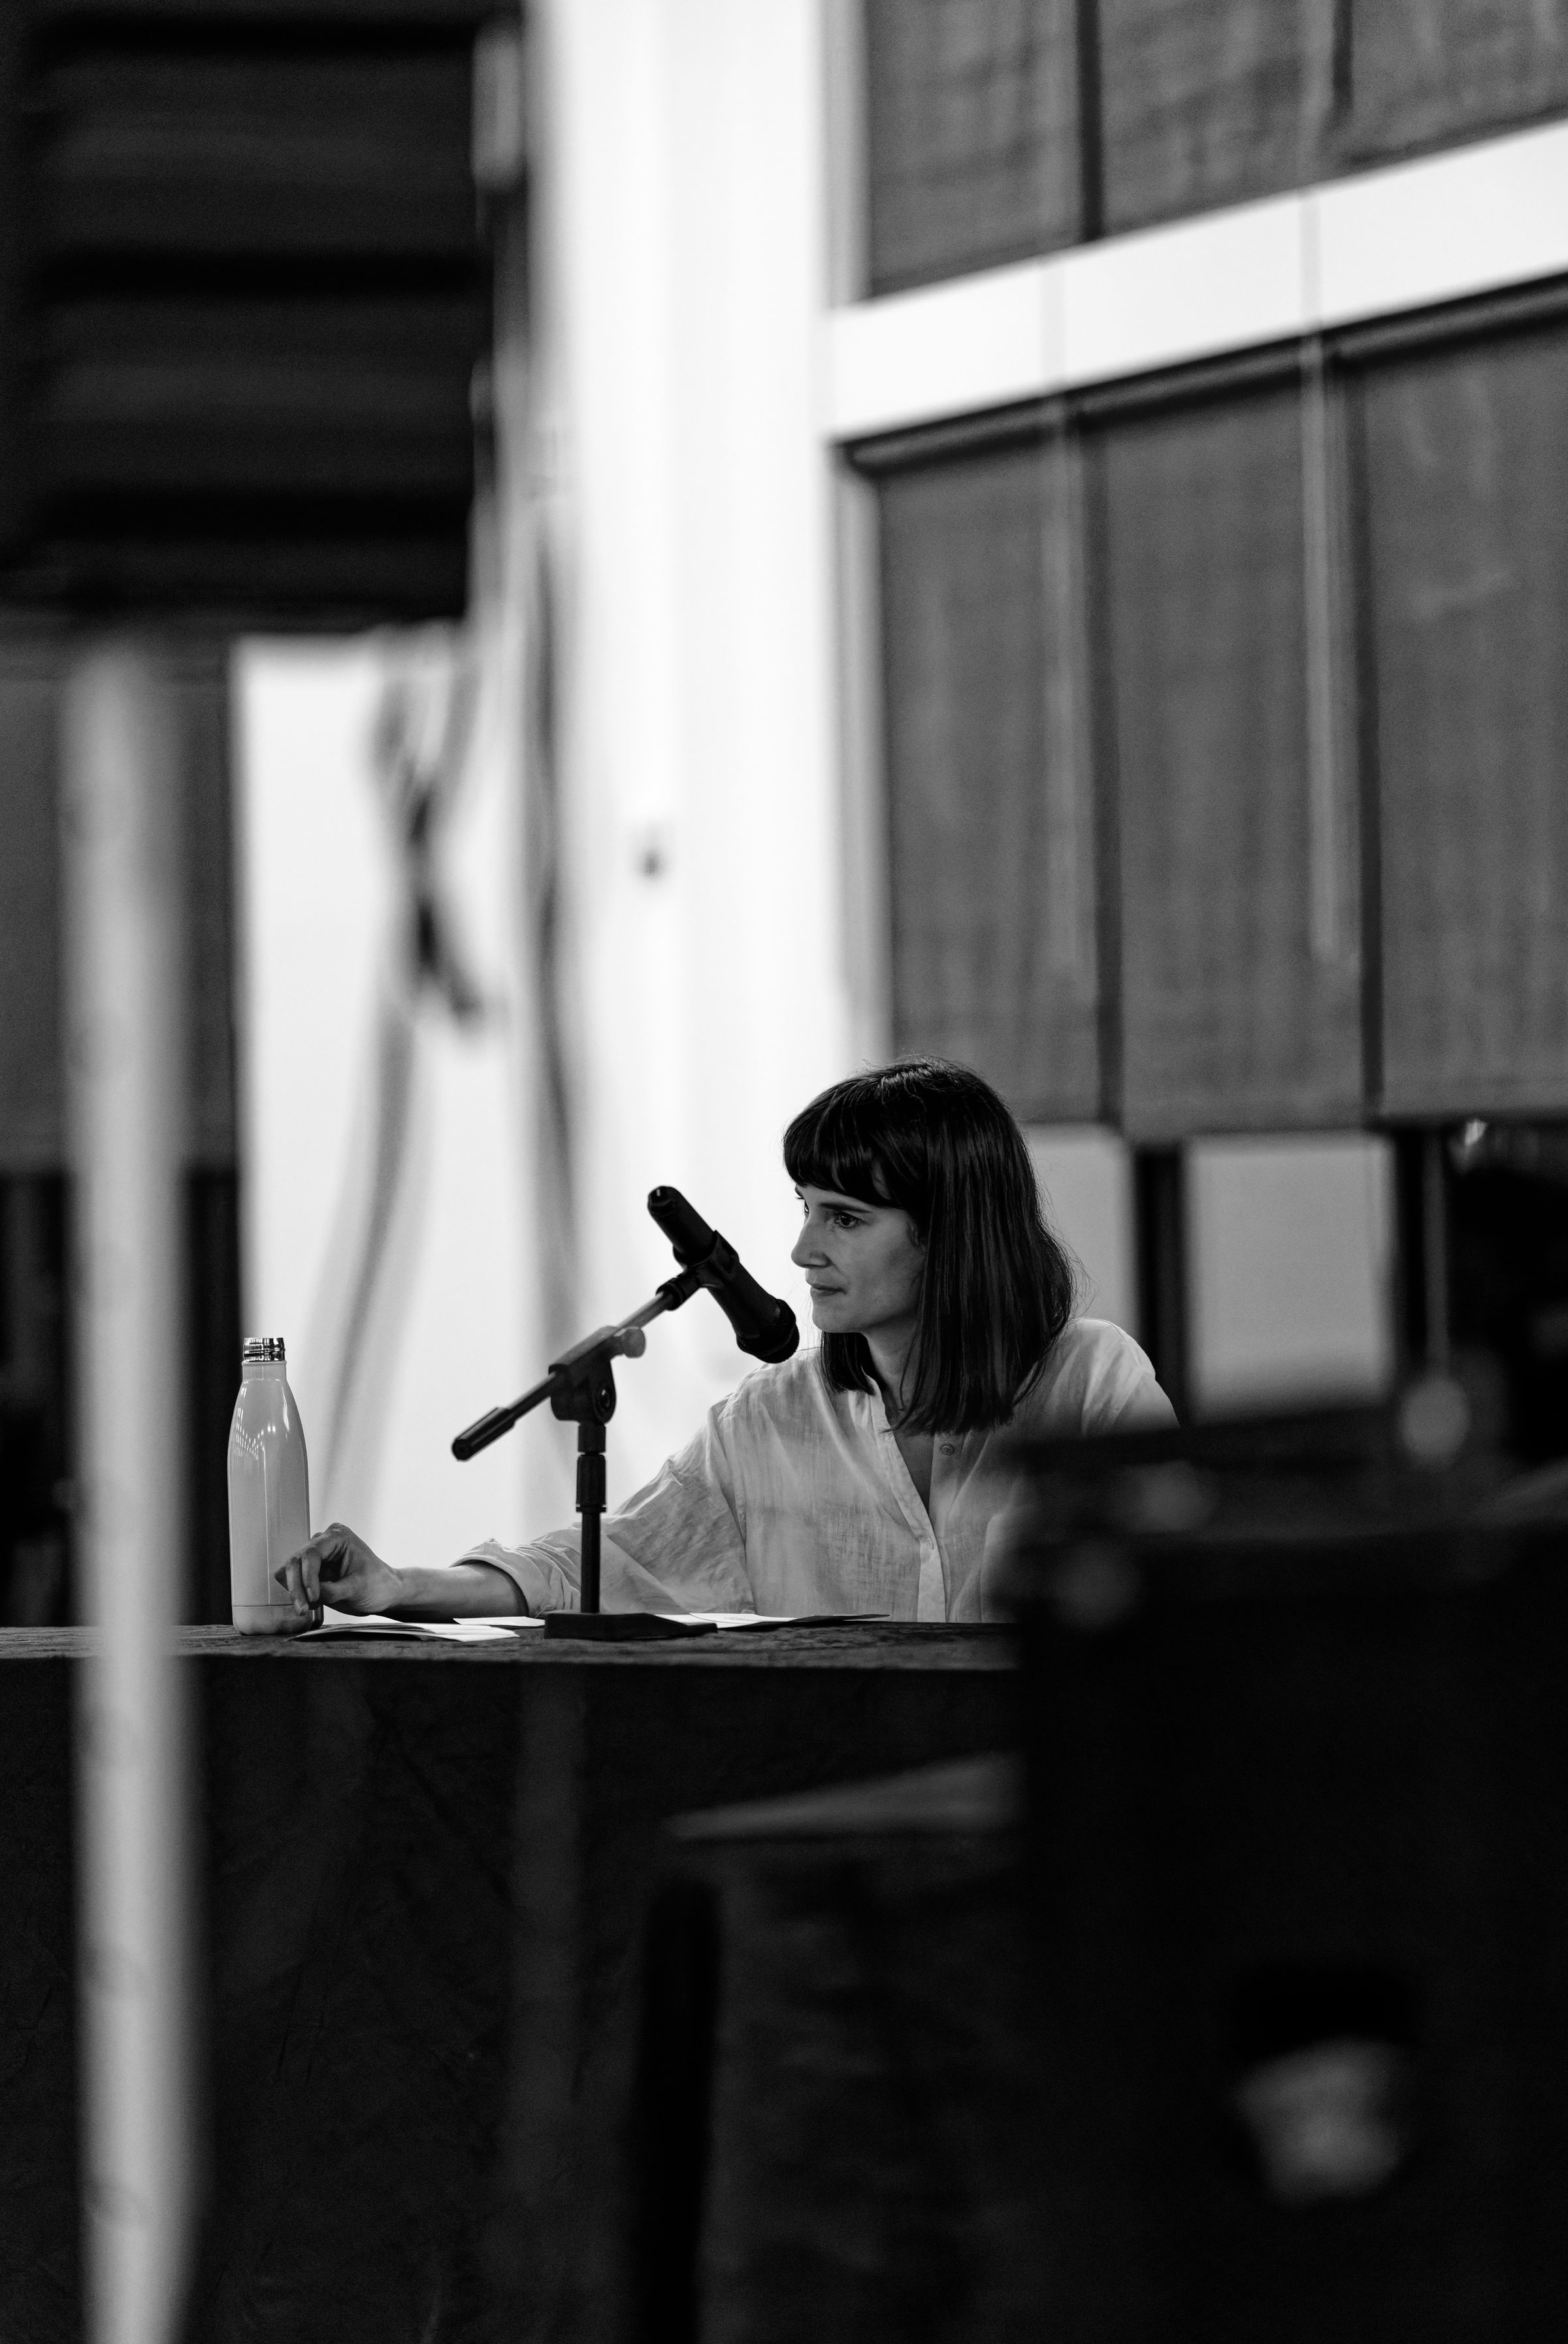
(780, 1618)
(439, 1632)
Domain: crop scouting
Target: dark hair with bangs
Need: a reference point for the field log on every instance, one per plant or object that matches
(997, 1288)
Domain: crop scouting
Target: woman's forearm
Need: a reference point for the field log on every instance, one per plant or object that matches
(461, 1590)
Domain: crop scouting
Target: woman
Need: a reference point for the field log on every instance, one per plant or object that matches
(860, 1476)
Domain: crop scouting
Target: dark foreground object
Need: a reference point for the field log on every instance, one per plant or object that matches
(1299, 1809)
(427, 1875)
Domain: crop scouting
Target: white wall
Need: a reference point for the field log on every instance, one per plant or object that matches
(683, 235)
(1289, 1267)
(321, 906)
(1086, 1187)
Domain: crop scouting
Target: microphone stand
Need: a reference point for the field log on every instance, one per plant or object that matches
(581, 1389)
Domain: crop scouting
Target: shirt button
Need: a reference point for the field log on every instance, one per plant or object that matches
(949, 1447)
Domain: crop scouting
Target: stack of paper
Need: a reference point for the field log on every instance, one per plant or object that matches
(440, 1632)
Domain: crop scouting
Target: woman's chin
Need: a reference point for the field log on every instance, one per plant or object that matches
(826, 1319)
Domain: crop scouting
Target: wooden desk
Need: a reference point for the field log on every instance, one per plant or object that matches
(426, 1875)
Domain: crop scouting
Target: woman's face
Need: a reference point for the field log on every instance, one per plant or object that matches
(861, 1262)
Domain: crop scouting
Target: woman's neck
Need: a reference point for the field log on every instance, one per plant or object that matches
(890, 1347)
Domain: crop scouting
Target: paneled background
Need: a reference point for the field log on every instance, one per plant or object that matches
(998, 129)
(1300, 861)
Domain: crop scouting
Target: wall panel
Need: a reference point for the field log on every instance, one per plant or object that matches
(1418, 73)
(990, 801)
(1237, 1012)
(1214, 102)
(1464, 461)
(972, 135)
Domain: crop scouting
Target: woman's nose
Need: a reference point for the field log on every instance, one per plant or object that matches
(806, 1247)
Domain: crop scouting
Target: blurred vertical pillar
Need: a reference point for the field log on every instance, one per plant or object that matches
(125, 1061)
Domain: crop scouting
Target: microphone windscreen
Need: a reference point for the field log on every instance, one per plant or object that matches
(778, 1341)
(685, 1227)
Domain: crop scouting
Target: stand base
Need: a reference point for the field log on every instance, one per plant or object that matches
(622, 1627)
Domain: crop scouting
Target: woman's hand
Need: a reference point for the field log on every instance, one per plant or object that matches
(336, 1567)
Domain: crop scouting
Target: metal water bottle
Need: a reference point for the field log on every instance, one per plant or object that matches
(269, 1490)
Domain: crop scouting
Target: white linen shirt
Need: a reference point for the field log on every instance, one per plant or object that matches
(796, 1499)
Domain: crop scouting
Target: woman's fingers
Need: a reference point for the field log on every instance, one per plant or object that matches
(342, 1563)
(334, 1552)
(291, 1579)
(303, 1573)
(334, 1567)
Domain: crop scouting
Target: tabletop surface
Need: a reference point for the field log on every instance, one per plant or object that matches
(881, 1644)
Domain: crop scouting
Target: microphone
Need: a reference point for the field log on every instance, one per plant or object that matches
(764, 1327)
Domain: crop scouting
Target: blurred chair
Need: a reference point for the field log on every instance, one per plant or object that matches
(835, 2097)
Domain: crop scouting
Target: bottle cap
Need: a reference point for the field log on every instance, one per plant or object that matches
(261, 1347)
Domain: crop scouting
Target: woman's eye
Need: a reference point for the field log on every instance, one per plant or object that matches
(848, 1220)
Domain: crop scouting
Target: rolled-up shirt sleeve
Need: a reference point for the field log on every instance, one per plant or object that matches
(676, 1546)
